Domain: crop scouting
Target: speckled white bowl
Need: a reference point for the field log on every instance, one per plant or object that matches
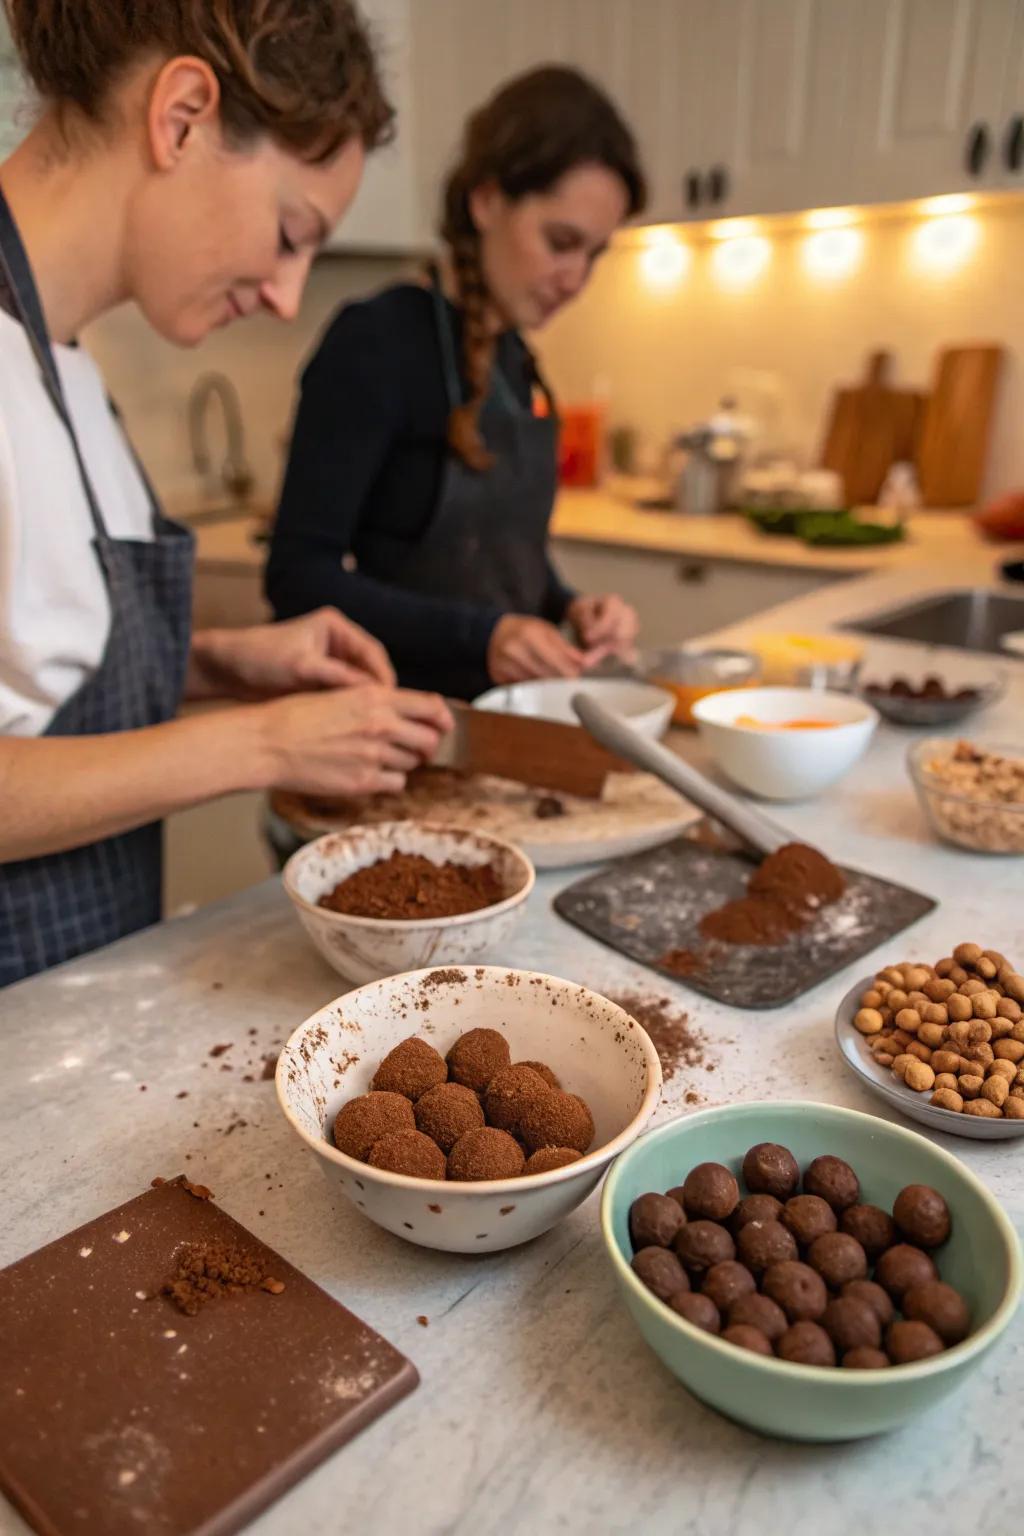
(595, 1048)
(366, 948)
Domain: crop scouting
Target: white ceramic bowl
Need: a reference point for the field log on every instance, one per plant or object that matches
(647, 708)
(785, 765)
(365, 948)
(595, 1048)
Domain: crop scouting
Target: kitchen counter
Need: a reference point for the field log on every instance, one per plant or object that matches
(540, 1409)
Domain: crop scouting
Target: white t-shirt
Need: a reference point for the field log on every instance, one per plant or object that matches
(54, 610)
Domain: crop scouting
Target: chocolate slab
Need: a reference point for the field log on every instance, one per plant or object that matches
(120, 1414)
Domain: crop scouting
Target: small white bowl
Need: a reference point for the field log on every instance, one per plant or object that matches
(365, 948)
(785, 765)
(593, 1046)
(647, 708)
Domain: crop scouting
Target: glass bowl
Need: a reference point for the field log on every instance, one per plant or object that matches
(971, 809)
(692, 674)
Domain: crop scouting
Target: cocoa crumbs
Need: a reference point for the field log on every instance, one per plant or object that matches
(409, 886)
(269, 1067)
(208, 1271)
(218, 1050)
(677, 1044)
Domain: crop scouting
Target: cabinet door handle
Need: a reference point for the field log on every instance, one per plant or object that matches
(718, 184)
(1013, 148)
(978, 148)
(691, 189)
(691, 573)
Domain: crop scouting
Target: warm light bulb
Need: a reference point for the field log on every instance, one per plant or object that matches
(738, 262)
(941, 245)
(664, 260)
(731, 229)
(830, 218)
(950, 202)
(833, 253)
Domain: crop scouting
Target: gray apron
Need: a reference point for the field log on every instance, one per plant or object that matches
(65, 904)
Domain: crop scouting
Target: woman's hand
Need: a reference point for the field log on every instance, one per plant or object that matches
(522, 648)
(360, 741)
(607, 622)
(319, 650)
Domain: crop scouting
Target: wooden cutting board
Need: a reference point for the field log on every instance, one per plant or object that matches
(871, 427)
(953, 448)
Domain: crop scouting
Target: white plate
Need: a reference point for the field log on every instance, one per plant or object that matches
(858, 1060)
(647, 708)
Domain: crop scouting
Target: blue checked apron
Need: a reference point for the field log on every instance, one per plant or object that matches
(65, 904)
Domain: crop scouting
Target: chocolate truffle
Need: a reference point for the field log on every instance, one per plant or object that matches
(806, 1344)
(769, 1169)
(661, 1272)
(901, 1268)
(908, 1341)
(410, 1069)
(654, 1220)
(508, 1093)
(798, 1289)
(878, 1300)
(941, 1307)
(556, 1119)
(745, 1337)
(476, 1056)
(542, 1070)
(703, 1244)
(838, 1258)
(698, 1310)
(759, 1312)
(834, 1180)
(550, 1158)
(710, 1192)
(447, 1112)
(762, 1243)
(808, 1217)
(727, 1282)
(408, 1152)
(755, 1208)
(866, 1359)
(873, 1228)
(676, 1194)
(851, 1324)
(485, 1154)
(922, 1216)
(361, 1122)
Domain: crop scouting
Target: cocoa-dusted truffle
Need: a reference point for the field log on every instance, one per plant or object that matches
(878, 1300)
(542, 1070)
(745, 1337)
(941, 1307)
(727, 1282)
(755, 1208)
(710, 1192)
(676, 1194)
(769, 1169)
(408, 1152)
(703, 1244)
(901, 1268)
(447, 1112)
(922, 1216)
(410, 1069)
(759, 1312)
(851, 1324)
(698, 1310)
(798, 1289)
(866, 1359)
(808, 1217)
(763, 1243)
(550, 1158)
(838, 1258)
(476, 1056)
(508, 1093)
(661, 1272)
(834, 1180)
(806, 1344)
(361, 1122)
(873, 1228)
(485, 1154)
(908, 1341)
(654, 1220)
(556, 1119)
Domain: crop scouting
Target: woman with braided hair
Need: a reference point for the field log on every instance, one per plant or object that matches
(422, 474)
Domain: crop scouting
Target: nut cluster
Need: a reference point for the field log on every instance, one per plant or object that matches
(976, 798)
(954, 1030)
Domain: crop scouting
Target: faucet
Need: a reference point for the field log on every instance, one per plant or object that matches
(235, 475)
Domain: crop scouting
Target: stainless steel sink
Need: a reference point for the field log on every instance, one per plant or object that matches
(971, 619)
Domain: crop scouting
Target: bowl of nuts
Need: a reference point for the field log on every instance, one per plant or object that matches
(972, 793)
(943, 1043)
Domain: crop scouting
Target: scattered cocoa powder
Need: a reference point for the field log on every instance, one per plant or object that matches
(683, 962)
(409, 886)
(677, 1044)
(218, 1050)
(207, 1271)
(783, 895)
(269, 1067)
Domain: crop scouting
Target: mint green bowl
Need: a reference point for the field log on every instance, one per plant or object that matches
(982, 1260)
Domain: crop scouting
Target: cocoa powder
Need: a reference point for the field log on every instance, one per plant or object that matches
(409, 886)
(783, 895)
(207, 1271)
(677, 1044)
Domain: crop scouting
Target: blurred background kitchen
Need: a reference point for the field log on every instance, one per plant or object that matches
(823, 309)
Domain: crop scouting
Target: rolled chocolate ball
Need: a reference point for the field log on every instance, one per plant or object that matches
(484, 1154)
(363, 1121)
(901, 1268)
(909, 1341)
(654, 1221)
(851, 1324)
(410, 1069)
(834, 1180)
(806, 1344)
(798, 1289)
(556, 1119)
(661, 1272)
(745, 1337)
(702, 1244)
(873, 1228)
(941, 1307)
(769, 1169)
(542, 1070)
(755, 1208)
(838, 1258)
(408, 1152)
(550, 1158)
(697, 1309)
(865, 1359)
(710, 1192)
(476, 1056)
(878, 1300)
(760, 1312)
(508, 1093)
(808, 1217)
(727, 1282)
(676, 1194)
(447, 1112)
(763, 1243)
(922, 1216)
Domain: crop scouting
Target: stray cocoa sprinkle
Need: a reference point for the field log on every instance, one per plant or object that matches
(218, 1050)
(207, 1271)
(269, 1067)
(407, 886)
(444, 978)
(424, 1322)
(676, 1043)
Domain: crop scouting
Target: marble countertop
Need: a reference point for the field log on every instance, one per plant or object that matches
(540, 1409)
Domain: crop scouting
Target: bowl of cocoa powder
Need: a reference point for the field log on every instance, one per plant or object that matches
(376, 900)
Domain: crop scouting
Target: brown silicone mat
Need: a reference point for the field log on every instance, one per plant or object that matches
(120, 1414)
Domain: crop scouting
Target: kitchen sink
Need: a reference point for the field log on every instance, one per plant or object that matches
(971, 619)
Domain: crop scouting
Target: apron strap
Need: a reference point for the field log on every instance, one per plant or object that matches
(449, 363)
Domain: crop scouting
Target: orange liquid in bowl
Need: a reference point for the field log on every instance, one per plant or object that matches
(754, 724)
